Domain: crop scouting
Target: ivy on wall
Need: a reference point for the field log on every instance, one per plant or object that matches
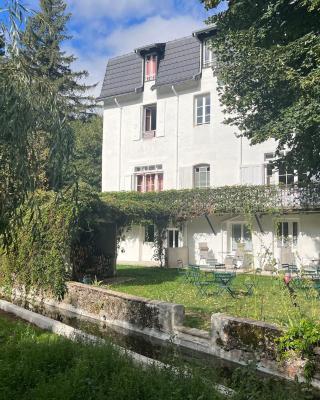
(41, 254)
(50, 245)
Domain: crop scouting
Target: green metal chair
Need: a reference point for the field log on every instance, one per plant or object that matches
(224, 280)
(198, 280)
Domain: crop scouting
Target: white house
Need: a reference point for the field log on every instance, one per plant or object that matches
(163, 129)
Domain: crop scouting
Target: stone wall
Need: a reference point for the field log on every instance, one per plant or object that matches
(235, 340)
(115, 307)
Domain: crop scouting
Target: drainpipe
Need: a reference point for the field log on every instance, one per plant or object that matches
(120, 140)
(241, 157)
(177, 137)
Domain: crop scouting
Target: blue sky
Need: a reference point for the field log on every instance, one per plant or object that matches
(106, 28)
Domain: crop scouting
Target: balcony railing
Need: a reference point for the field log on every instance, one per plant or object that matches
(300, 197)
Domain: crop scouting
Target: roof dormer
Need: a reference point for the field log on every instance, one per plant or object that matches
(151, 55)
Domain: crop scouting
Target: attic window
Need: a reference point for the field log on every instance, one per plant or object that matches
(207, 54)
(151, 66)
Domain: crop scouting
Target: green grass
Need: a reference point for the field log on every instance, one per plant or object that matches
(36, 365)
(270, 302)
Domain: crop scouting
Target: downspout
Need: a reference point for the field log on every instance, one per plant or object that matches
(120, 140)
(177, 136)
(241, 159)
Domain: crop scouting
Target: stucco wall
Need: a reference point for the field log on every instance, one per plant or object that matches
(180, 144)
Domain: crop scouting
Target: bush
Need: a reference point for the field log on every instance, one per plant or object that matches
(41, 255)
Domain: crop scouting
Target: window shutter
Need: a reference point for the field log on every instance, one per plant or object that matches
(161, 114)
(185, 178)
(128, 182)
(134, 120)
(252, 175)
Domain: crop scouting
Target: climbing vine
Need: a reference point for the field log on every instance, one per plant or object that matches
(178, 206)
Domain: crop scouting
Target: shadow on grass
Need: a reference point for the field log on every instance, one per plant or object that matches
(147, 275)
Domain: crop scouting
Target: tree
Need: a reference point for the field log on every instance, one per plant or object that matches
(30, 110)
(1, 45)
(268, 58)
(87, 157)
(44, 34)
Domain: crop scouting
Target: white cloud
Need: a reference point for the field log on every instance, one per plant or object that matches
(152, 30)
(116, 9)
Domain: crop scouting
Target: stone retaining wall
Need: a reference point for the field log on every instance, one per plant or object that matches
(235, 340)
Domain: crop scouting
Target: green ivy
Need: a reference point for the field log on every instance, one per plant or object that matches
(301, 340)
(40, 257)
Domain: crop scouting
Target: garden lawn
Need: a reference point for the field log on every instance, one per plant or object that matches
(37, 365)
(270, 301)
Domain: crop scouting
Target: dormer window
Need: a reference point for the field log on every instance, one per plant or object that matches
(151, 66)
(208, 57)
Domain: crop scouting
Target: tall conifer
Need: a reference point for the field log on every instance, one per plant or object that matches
(42, 49)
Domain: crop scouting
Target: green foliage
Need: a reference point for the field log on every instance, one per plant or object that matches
(41, 256)
(44, 35)
(301, 340)
(87, 158)
(35, 137)
(268, 58)
(30, 112)
(39, 365)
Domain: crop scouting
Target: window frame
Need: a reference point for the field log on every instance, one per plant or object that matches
(208, 176)
(151, 133)
(147, 234)
(151, 76)
(175, 238)
(206, 50)
(203, 106)
(292, 237)
(276, 173)
(248, 245)
(144, 173)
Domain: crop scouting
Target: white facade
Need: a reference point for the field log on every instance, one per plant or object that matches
(178, 146)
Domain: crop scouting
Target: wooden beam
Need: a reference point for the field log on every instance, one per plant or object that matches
(259, 223)
(210, 224)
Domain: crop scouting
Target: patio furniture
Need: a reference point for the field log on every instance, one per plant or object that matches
(224, 281)
(197, 280)
(316, 285)
(286, 256)
(247, 261)
(289, 268)
(213, 262)
(230, 262)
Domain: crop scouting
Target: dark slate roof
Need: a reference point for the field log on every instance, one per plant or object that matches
(180, 62)
(123, 75)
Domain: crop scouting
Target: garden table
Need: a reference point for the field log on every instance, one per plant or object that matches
(224, 280)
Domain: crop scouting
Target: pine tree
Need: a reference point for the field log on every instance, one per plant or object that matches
(1, 46)
(42, 39)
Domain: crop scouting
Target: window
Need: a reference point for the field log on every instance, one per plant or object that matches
(173, 238)
(207, 54)
(201, 176)
(286, 177)
(269, 168)
(287, 233)
(149, 178)
(151, 66)
(240, 233)
(149, 234)
(202, 109)
(277, 174)
(149, 120)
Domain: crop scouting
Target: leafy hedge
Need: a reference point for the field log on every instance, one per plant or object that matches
(40, 256)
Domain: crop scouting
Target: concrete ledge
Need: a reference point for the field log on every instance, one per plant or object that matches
(70, 333)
